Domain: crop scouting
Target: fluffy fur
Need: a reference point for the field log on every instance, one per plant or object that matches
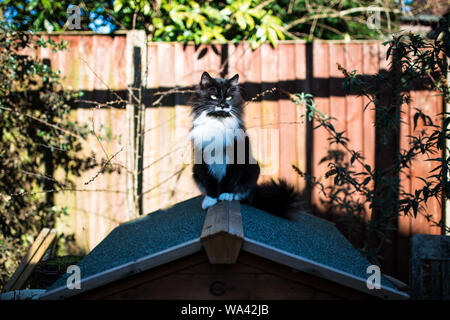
(225, 169)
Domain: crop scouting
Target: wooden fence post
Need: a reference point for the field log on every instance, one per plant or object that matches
(136, 68)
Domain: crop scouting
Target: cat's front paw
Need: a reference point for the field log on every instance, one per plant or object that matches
(208, 202)
(226, 197)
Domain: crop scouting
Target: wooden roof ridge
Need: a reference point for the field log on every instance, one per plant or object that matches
(223, 234)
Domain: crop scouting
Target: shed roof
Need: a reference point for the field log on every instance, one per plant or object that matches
(308, 243)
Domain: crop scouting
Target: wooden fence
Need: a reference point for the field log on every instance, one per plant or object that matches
(97, 65)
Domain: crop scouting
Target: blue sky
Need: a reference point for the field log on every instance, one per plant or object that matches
(99, 23)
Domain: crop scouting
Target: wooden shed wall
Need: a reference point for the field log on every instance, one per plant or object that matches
(251, 278)
(96, 64)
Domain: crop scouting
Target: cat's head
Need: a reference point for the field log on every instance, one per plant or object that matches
(217, 97)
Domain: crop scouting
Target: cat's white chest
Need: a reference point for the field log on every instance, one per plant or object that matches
(212, 136)
(211, 131)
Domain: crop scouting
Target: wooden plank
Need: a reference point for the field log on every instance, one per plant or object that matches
(422, 168)
(436, 207)
(185, 188)
(338, 104)
(46, 243)
(152, 153)
(10, 285)
(355, 130)
(370, 67)
(301, 85)
(320, 89)
(338, 53)
(166, 126)
(270, 162)
(87, 77)
(101, 65)
(70, 71)
(116, 210)
(445, 271)
(223, 233)
(434, 248)
(252, 76)
(416, 269)
(214, 60)
(435, 280)
(287, 113)
(236, 54)
(253, 110)
(118, 63)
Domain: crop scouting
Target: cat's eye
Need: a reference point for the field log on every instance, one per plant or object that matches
(213, 97)
(228, 98)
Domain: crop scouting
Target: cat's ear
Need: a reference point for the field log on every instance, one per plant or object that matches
(206, 80)
(234, 80)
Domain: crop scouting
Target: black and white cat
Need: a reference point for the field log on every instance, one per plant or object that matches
(224, 168)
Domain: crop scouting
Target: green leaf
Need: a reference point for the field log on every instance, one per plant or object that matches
(272, 36)
(366, 181)
(240, 21)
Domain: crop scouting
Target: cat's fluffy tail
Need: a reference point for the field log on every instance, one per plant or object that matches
(278, 198)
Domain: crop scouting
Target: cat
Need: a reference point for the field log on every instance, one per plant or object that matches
(224, 168)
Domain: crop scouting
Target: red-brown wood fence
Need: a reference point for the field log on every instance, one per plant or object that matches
(96, 64)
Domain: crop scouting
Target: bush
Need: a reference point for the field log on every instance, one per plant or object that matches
(414, 60)
(36, 138)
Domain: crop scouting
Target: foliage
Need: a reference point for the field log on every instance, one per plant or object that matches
(37, 137)
(204, 21)
(356, 186)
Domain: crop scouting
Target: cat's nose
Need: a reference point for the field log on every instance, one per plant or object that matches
(223, 105)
